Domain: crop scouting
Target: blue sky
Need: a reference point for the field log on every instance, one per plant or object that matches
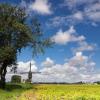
(74, 26)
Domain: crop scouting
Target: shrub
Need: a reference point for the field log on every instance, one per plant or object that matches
(16, 79)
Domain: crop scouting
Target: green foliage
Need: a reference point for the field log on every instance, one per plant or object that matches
(16, 79)
(13, 91)
(16, 32)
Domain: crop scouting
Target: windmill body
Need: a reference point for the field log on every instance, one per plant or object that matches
(30, 74)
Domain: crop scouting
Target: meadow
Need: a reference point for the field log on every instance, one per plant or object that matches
(53, 92)
(13, 91)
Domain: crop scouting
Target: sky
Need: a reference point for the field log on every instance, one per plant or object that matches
(74, 26)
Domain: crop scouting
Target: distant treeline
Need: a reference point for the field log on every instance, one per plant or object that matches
(98, 82)
(57, 83)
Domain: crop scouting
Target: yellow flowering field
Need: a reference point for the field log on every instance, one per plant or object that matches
(62, 92)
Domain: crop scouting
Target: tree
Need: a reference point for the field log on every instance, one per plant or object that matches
(17, 31)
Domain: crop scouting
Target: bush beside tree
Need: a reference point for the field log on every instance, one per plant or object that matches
(16, 79)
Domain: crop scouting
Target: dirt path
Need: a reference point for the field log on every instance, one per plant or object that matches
(28, 95)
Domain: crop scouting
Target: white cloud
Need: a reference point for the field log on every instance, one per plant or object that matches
(48, 62)
(41, 6)
(75, 18)
(59, 69)
(68, 36)
(78, 15)
(74, 3)
(77, 68)
(93, 12)
(89, 13)
(94, 24)
(81, 61)
(57, 21)
(78, 59)
(25, 66)
(84, 46)
(91, 9)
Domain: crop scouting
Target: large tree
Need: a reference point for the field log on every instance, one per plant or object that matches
(17, 31)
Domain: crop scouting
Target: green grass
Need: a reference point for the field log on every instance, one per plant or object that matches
(13, 91)
(50, 92)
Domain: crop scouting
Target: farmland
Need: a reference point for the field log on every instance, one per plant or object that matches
(50, 92)
(56, 92)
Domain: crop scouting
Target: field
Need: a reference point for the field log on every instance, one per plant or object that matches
(53, 92)
(13, 91)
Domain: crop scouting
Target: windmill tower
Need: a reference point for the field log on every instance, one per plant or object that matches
(30, 74)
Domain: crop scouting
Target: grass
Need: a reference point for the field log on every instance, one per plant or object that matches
(13, 91)
(50, 92)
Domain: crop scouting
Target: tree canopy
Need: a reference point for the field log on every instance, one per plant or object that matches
(18, 30)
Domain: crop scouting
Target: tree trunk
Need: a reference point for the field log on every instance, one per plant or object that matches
(2, 75)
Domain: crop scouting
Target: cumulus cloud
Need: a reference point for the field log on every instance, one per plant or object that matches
(57, 21)
(74, 3)
(82, 62)
(68, 36)
(71, 35)
(41, 7)
(89, 13)
(78, 59)
(78, 15)
(93, 12)
(48, 62)
(77, 68)
(84, 46)
(25, 67)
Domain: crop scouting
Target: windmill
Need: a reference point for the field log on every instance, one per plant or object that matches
(30, 72)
